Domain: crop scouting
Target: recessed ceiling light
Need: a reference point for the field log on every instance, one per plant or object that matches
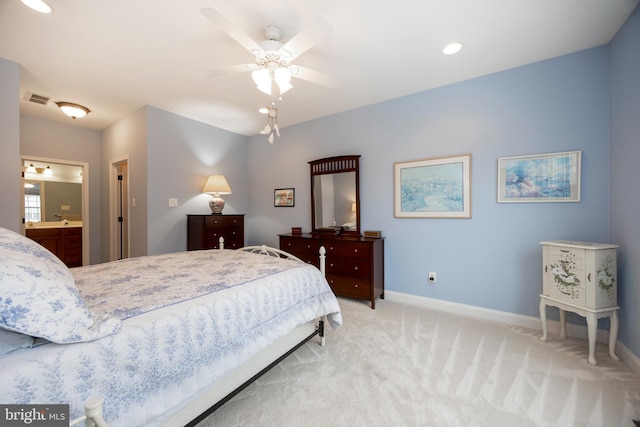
(38, 5)
(452, 48)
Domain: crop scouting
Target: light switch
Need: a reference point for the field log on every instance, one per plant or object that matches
(173, 203)
(65, 207)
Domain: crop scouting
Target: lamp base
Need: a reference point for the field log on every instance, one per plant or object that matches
(216, 204)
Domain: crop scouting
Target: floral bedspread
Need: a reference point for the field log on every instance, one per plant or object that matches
(187, 318)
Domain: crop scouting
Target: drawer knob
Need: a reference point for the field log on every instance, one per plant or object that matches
(355, 286)
(355, 268)
(355, 250)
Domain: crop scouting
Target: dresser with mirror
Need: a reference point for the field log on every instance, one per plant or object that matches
(355, 264)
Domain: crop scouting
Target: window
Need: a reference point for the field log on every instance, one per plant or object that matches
(32, 210)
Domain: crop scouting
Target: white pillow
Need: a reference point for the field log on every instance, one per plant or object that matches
(38, 296)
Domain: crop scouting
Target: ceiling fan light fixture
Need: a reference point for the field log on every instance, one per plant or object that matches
(282, 76)
(38, 5)
(452, 48)
(262, 79)
(75, 111)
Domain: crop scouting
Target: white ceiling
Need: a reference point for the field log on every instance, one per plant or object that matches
(116, 56)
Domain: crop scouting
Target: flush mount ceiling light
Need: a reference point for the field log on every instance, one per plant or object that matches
(452, 48)
(272, 121)
(38, 5)
(75, 111)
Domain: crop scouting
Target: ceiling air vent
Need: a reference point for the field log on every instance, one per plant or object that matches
(39, 99)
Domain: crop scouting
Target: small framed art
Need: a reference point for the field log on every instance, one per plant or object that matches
(284, 197)
(552, 177)
(433, 188)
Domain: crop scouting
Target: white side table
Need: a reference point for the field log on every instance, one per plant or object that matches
(592, 316)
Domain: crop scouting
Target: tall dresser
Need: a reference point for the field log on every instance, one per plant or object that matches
(354, 267)
(204, 231)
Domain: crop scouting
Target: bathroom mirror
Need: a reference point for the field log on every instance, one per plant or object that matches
(52, 192)
(53, 201)
(335, 195)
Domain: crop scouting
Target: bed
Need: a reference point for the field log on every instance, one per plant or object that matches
(162, 340)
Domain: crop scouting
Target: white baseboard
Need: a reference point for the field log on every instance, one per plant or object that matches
(553, 326)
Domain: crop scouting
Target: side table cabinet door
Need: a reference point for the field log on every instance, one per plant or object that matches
(602, 281)
(567, 275)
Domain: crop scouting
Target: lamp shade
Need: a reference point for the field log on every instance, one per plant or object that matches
(216, 184)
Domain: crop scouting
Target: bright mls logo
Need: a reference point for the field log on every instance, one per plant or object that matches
(34, 415)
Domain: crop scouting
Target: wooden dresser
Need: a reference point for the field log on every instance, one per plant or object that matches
(64, 242)
(204, 231)
(354, 267)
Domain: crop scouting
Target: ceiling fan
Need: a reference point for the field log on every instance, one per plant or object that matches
(273, 68)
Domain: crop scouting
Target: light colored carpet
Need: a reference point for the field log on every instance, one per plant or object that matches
(400, 365)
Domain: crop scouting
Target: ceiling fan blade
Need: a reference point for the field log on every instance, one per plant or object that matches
(219, 20)
(232, 69)
(308, 37)
(313, 76)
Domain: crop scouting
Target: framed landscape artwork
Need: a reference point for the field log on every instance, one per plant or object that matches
(284, 197)
(433, 188)
(553, 177)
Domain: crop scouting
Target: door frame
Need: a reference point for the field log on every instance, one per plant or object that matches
(113, 208)
(86, 234)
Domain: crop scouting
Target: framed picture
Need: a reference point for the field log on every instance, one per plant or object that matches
(284, 197)
(433, 188)
(553, 177)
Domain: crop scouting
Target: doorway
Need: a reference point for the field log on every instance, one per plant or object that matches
(56, 192)
(119, 224)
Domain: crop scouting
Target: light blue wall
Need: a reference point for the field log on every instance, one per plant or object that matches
(62, 141)
(181, 154)
(625, 153)
(171, 157)
(10, 144)
(127, 138)
(494, 259)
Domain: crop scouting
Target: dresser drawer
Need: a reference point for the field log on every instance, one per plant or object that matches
(73, 242)
(214, 221)
(349, 266)
(233, 243)
(346, 249)
(232, 239)
(306, 249)
(205, 231)
(348, 286)
(290, 244)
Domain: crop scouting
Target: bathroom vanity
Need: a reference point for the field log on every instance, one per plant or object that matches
(65, 241)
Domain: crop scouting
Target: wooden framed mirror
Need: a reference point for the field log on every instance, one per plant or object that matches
(335, 195)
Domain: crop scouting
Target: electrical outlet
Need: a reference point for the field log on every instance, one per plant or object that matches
(432, 277)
